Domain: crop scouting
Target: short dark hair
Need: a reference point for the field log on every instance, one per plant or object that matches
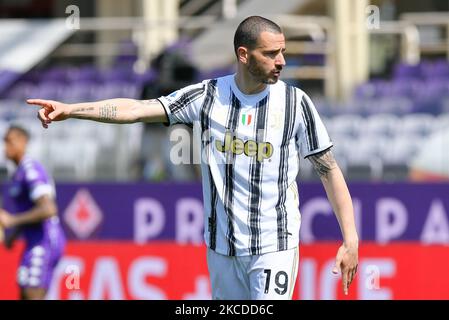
(249, 30)
(21, 130)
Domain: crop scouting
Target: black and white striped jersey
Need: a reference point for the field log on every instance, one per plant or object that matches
(250, 146)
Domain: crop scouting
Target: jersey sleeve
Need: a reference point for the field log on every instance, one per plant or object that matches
(312, 136)
(183, 105)
(38, 182)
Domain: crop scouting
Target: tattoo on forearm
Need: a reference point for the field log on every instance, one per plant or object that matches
(80, 110)
(108, 112)
(323, 162)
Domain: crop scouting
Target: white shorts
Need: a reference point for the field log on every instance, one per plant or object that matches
(269, 276)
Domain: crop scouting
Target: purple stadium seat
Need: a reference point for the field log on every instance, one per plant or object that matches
(406, 71)
(433, 70)
(127, 53)
(85, 74)
(56, 74)
(116, 75)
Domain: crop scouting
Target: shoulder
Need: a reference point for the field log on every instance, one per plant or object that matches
(195, 87)
(201, 88)
(215, 86)
(33, 169)
(218, 83)
(282, 86)
(298, 91)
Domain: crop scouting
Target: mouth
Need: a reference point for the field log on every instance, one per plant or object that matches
(277, 73)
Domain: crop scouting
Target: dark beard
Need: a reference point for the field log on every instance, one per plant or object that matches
(258, 73)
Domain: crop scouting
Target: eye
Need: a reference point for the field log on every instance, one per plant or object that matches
(271, 53)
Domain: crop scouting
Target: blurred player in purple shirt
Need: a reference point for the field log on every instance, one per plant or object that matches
(34, 216)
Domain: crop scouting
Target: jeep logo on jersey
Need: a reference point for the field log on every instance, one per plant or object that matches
(251, 148)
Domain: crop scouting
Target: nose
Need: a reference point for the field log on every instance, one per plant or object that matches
(280, 60)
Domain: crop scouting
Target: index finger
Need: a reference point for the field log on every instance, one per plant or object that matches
(40, 102)
(345, 275)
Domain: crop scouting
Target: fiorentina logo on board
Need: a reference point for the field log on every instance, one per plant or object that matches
(82, 214)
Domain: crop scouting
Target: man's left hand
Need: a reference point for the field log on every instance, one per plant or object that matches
(346, 262)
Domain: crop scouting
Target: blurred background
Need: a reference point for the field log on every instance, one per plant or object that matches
(377, 71)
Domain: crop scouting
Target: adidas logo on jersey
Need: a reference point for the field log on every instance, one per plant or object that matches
(251, 148)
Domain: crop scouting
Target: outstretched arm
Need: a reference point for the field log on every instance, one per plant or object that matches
(44, 208)
(118, 110)
(340, 199)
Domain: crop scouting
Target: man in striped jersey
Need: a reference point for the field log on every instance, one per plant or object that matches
(254, 129)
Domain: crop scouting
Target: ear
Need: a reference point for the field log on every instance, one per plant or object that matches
(242, 54)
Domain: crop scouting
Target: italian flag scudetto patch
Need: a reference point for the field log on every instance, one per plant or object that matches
(246, 119)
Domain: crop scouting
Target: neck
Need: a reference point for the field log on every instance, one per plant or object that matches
(18, 158)
(247, 84)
